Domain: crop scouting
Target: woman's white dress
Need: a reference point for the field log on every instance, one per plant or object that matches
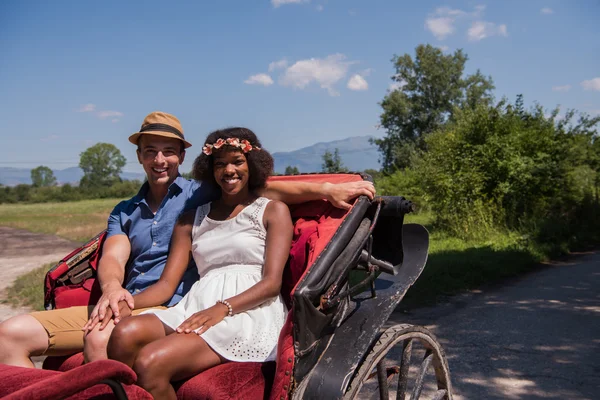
(230, 256)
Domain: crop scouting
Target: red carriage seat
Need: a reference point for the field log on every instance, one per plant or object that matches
(315, 224)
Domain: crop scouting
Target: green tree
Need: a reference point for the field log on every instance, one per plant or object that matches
(101, 165)
(289, 170)
(430, 88)
(333, 162)
(42, 176)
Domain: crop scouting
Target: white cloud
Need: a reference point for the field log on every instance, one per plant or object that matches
(563, 88)
(319, 8)
(326, 72)
(91, 108)
(481, 29)
(547, 10)
(592, 84)
(278, 3)
(443, 48)
(283, 63)
(357, 82)
(259, 79)
(87, 108)
(109, 114)
(444, 20)
(440, 27)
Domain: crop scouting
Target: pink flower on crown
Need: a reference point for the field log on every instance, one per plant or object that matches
(219, 143)
(233, 142)
(246, 146)
(207, 149)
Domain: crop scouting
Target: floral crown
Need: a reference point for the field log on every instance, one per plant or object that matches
(235, 142)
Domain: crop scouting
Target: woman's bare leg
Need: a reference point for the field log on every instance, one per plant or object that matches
(169, 359)
(132, 334)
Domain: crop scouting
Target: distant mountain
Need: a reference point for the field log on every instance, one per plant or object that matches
(357, 154)
(72, 175)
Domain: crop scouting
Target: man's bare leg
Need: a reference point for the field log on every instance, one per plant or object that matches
(22, 337)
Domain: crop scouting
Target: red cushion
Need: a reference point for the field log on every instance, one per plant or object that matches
(63, 363)
(80, 383)
(243, 380)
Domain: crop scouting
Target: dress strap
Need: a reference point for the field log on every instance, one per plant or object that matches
(201, 212)
(256, 216)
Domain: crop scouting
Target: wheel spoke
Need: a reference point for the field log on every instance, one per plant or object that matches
(382, 378)
(404, 364)
(422, 371)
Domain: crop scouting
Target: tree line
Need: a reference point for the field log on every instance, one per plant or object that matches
(101, 164)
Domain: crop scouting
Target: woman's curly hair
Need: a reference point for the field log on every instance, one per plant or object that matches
(260, 162)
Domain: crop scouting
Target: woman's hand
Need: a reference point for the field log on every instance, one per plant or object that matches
(204, 319)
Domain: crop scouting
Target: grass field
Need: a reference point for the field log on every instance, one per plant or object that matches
(454, 265)
(78, 221)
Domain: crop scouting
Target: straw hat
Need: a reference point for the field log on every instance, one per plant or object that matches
(161, 124)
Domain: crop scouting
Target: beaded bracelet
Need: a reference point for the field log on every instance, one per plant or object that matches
(225, 302)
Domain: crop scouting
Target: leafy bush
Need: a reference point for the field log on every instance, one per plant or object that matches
(505, 167)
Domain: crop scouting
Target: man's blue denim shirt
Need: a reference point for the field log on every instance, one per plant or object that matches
(150, 234)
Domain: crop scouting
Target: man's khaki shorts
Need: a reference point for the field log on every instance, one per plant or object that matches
(64, 327)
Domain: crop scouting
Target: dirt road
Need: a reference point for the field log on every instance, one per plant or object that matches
(535, 338)
(22, 251)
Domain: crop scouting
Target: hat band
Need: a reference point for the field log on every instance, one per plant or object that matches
(163, 128)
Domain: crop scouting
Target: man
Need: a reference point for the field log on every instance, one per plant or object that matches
(137, 245)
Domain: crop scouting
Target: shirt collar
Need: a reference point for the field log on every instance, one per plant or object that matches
(175, 187)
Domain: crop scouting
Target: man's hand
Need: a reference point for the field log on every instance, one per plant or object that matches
(110, 300)
(204, 319)
(124, 311)
(339, 194)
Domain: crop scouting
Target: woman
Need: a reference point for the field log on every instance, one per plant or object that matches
(240, 244)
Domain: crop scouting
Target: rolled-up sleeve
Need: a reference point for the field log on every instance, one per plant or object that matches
(114, 221)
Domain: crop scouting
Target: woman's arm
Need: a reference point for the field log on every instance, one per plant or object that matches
(339, 194)
(180, 256)
(278, 223)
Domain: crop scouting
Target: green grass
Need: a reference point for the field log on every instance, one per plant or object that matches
(27, 290)
(456, 265)
(78, 220)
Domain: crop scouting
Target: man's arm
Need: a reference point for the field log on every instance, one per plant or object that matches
(111, 274)
(339, 194)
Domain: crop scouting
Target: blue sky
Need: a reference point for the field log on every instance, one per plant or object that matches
(75, 73)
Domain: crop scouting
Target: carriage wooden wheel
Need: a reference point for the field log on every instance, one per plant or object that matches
(385, 378)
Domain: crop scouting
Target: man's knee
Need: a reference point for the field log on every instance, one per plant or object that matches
(22, 333)
(96, 342)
